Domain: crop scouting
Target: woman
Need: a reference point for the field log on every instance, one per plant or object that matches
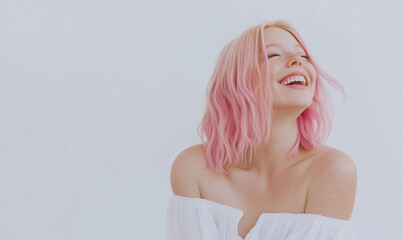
(263, 171)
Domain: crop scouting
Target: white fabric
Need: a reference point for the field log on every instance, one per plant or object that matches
(202, 219)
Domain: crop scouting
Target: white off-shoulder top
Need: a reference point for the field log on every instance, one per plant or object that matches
(201, 219)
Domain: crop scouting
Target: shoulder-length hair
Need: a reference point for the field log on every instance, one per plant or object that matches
(238, 112)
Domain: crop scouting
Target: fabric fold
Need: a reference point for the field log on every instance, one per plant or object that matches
(201, 219)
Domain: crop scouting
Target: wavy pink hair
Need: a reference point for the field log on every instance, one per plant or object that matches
(238, 113)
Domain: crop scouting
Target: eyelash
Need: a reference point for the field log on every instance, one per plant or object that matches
(275, 54)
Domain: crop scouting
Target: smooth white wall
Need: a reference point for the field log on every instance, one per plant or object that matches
(97, 98)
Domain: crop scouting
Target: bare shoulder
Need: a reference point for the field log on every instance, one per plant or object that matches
(330, 159)
(332, 188)
(186, 170)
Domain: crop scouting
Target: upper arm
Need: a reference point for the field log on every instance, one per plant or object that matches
(332, 189)
(185, 171)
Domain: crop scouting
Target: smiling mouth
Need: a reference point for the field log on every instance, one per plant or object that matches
(295, 80)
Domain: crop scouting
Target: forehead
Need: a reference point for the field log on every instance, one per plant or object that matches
(278, 37)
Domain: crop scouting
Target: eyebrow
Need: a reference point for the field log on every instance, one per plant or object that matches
(276, 44)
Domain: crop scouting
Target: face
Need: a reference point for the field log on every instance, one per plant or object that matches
(289, 62)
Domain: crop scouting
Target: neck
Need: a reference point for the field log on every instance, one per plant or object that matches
(272, 157)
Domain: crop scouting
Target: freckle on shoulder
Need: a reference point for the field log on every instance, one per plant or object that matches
(332, 159)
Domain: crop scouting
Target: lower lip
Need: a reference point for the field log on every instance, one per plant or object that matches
(296, 87)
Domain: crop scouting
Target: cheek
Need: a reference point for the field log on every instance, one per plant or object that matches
(273, 72)
(312, 73)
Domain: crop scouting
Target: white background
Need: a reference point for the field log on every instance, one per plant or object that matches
(97, 98)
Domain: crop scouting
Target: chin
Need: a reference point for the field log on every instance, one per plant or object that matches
(301, 103)
(296, 108)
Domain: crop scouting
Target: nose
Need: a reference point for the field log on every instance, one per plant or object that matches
(295, 60)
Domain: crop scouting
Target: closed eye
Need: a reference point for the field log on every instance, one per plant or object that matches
(273, 55)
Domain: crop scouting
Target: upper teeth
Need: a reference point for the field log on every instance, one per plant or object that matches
(293, 79)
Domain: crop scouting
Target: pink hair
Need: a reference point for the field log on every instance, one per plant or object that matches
(238, 113)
